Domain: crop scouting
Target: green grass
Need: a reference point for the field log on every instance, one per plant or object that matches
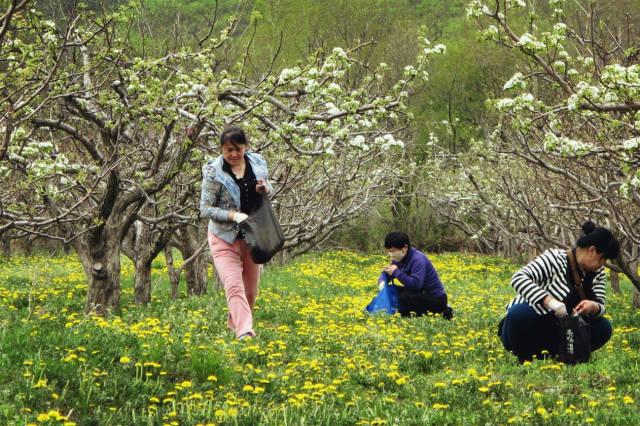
(319, 359)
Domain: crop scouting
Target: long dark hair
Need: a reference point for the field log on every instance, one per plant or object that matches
(233, 134)
(601, 238)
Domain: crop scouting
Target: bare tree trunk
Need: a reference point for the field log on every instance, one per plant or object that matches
(143, 281)
(100, 257)
(615, 281)
(28, 246)
(174, 277)
(143, 259)
(6, 246)
(196, 271)
(636, 299)
(632, 274)
(199, 271)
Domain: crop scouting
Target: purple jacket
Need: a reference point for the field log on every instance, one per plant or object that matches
(416, 273)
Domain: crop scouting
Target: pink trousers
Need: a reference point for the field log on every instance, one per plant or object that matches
(240, 277)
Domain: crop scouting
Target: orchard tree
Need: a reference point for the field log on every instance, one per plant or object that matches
(106, 132)
(570, 119)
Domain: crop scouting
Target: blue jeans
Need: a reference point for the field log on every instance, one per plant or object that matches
(527, 334)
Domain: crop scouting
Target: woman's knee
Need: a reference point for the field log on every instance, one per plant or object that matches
(521, 315)
(404, 297)
(601, 332)
(523, 328)
(234, 289)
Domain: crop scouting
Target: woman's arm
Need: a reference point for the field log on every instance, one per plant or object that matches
(600, 291)
(413, 279)
(528, 281)
(209, 198)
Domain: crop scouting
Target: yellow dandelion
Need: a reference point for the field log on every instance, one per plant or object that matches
(542, 411)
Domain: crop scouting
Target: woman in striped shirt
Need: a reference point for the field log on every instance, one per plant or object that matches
(545, 292)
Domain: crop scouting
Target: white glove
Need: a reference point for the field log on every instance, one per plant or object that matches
(558, 307)
(380, 285)
(239, 217)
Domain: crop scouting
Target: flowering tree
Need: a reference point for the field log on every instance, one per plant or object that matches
(569, 128)
(105, 136)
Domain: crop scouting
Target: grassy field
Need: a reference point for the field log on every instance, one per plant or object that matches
(318, 359)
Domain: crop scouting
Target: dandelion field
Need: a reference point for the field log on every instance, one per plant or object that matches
(318, 359)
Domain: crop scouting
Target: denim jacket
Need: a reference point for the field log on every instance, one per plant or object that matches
(221, 195)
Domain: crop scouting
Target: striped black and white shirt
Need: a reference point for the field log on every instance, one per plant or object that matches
(547, 275)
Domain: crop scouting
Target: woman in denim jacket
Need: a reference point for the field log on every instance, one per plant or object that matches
(231, 185)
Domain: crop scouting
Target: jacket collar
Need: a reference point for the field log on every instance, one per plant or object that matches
(406, 259)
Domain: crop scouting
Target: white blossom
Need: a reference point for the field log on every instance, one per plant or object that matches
(560, 28)
(633, 143)
(339, 52)
(515, 82)
(529, 43)
(334, 89)
(474, 9)
(564, 145)
(359, 142)
(438, 49)
(287, 74)
(490, 33)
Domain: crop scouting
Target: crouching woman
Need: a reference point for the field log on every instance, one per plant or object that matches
(546, 291)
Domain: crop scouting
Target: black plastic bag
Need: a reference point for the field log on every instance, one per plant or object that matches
(575, 340)
(262, 232)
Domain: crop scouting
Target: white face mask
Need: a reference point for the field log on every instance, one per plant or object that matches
(397, 255)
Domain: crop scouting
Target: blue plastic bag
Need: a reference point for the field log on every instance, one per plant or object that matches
(386, 300)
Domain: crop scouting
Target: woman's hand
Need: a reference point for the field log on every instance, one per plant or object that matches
(586, 308)
(239, 217)
(390, 269)
(556, 306)
(261, 187)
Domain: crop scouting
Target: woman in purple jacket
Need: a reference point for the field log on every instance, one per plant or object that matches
(421, 290)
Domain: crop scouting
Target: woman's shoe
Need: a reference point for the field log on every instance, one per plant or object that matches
(448, 313)
(247, 335)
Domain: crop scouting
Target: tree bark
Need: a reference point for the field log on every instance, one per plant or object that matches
(636, 299)
(6, 246)
(99, 250)
(174, 277)
(196, 271)
(143, 281)
(632, 273)
(28, 246)
(143, 259)
(615, 281)
(100, 258)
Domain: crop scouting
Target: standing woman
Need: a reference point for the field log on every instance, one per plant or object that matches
(230, 187)
(546, 292)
